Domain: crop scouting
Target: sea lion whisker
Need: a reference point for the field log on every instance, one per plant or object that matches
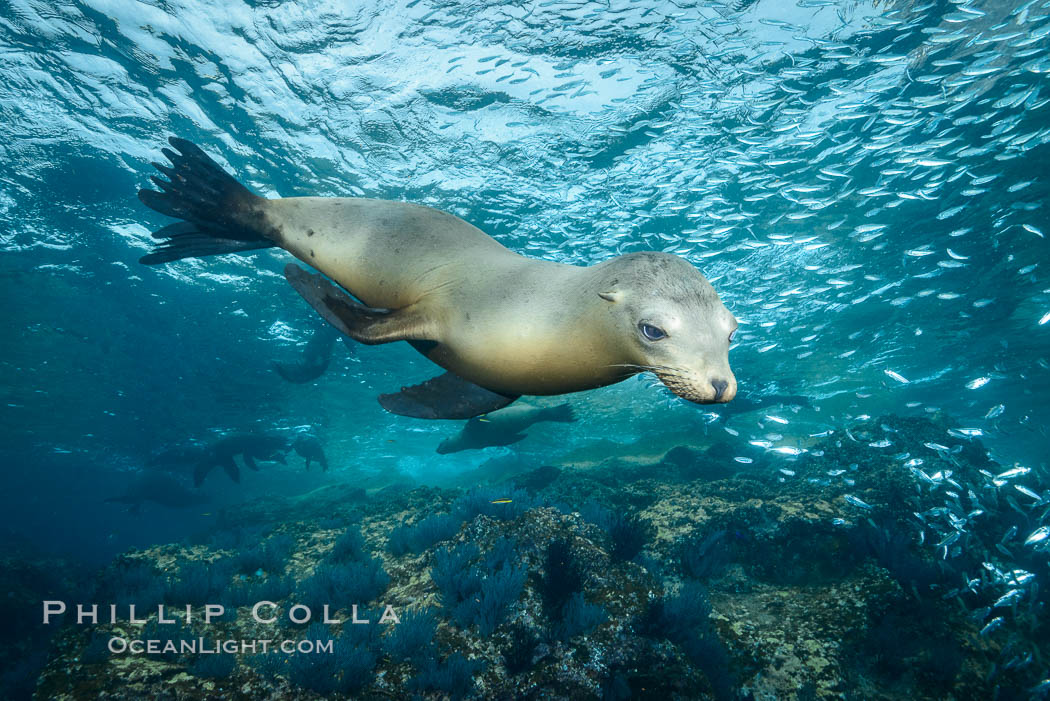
(643, 368)
(664, 372)
(629, 365)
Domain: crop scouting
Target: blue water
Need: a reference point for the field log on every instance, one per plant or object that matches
(863, 183)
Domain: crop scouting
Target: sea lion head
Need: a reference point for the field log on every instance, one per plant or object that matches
(673, 323)
(449, 445)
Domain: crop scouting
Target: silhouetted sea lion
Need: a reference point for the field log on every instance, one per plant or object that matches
(501, 324)
(250, 446)
(316, 357)
(503, 427)
(309, 448)
(176, 458)
(159, 488)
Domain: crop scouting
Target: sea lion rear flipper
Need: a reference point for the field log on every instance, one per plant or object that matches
(562, 412)
(446, 396)
(231, 469)
(361, 323)
(219, 214)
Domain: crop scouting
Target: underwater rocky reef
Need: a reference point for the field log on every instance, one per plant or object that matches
(892, 559)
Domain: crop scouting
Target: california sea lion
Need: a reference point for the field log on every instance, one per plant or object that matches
(501, 324)
(249, 446)
(310, 450)
(159, 488)
(503, 427)
(315, 358)
(176, 458)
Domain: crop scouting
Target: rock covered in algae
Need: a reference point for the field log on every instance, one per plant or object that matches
(561, 582)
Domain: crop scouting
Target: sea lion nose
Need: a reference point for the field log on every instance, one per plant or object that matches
(720, 388)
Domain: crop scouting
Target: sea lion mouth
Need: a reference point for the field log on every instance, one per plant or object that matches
(692, 388)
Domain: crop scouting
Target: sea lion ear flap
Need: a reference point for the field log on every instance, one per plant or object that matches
(611, 296)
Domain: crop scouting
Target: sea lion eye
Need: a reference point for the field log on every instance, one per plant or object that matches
(732, 335)
(653, 333)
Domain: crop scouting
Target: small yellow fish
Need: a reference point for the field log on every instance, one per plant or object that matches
(502, 501)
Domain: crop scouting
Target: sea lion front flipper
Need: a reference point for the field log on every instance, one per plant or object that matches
(231, 469)
(361, 323)
(446, 396)
(201, 470)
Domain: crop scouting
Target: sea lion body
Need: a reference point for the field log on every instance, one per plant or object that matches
(315, 358)
(500, 319)
(176, 458)
(309, 448)
(502, 324)
(159, 488)
(503, 427)
(249, 446)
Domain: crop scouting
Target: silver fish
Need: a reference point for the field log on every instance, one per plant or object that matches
(1009, 598)
(992, 625)
(1039, 536)
(854, 501)
(995, 412)
(1014, 472)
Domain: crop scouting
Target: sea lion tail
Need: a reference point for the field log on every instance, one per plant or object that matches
(219, 215)
(562, 412)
